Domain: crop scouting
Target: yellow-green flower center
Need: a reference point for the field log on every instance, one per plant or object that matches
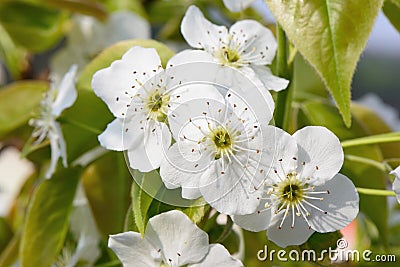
(222, 141)
(157, 105)
(291, 190)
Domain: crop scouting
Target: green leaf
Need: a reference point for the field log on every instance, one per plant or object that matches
(107, 182)
(115, 52)
(6, 234)
(10, 254)
(146, 186)
(14, 57)
(34, 27)
(83, 122)
(48, 219)
(87, 7)
(17, 101)
(331, 35)
(362, 174)
(391, 8)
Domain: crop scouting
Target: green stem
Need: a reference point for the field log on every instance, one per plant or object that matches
(227, 230)
(375, 192)
(80, 125)
(373, 139)
(379, 165)
(283, 105)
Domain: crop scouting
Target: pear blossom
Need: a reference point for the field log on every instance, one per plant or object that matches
(386, 112)
(396, 182)
(247, 46)
(303, 192)
(56, 100)
(237, 5)
(84, 232)
(89, 36)
(141, 94)
(170, 239)
(218, 150)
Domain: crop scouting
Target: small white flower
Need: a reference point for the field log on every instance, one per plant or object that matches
(248, 46)
(237, 5)
(84, 232)
(57, 99)
(396, 183)
(218, 151)
(171, 239)
(141, 94)
(304, 191)
(88, 37)
(387, 113)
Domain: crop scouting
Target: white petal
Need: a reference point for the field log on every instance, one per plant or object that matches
(179, 239)
(287, 236)
(66, 92)
(199, 32)
(84, 228)
(218, 256)
(396, 182)
(270, 81)
(133, 251)
(148, 154)
(228, 190)
(257, 41)
(254, 106)
(112, 137)
(341, 205)
(255, 222)
(184, 168)
(281, 153)
(55, 155)
(114, 84)
(237, 5)
(190, 56)
(321, 151)
(201, 104)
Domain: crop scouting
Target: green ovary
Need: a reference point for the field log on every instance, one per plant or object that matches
(158, 105)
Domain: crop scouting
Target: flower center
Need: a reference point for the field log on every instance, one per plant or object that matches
(290, 190)
(232, 56)
(222, 141)
(157, 104)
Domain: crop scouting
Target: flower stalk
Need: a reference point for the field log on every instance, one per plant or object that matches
(375, 192)
(284, 70)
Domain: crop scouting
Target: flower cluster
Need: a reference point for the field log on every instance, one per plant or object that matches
(204, 122)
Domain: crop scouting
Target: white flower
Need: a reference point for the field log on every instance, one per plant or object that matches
(141, 94)
(88, 37)
(387, 113)
(237, 5)
(171, 239)
(248, 46)
(218, 150)
(396, 183)
(304, 191)
(84, 232)
(58, 98)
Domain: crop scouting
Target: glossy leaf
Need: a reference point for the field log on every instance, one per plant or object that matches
(107, 182)
(362, 174)
(6, 233)
(331, 35)
(48, 219)
(115, 52)
(17, 101)
(34, 27)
